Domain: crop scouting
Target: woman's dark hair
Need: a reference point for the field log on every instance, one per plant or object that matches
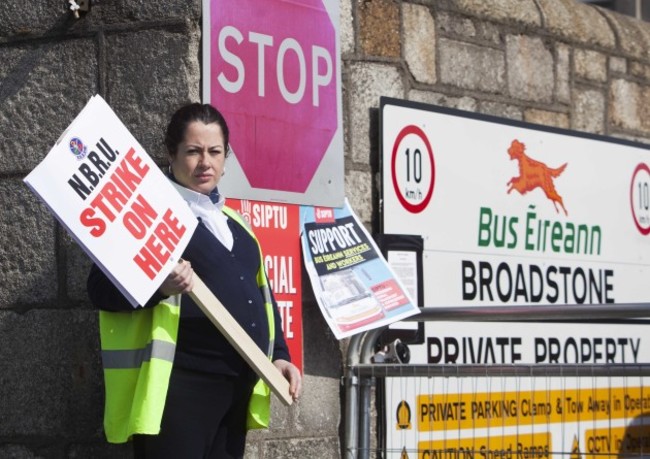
(187, 114)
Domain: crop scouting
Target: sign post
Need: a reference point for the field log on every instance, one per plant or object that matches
(107, 192)
(240, 340)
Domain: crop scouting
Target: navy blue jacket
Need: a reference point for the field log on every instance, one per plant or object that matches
(231, 276)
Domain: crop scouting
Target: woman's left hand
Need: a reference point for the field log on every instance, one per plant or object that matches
(291, 374)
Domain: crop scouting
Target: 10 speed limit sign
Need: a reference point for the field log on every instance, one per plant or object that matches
(640, 198)
(413, 169)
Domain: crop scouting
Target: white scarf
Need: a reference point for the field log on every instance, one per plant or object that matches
(210, 213)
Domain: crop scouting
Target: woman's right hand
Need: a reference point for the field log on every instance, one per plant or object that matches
(180, 280)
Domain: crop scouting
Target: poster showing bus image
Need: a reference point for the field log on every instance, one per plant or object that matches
(348, 301)
(354, 286)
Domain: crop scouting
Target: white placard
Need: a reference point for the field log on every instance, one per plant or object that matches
(114, 201)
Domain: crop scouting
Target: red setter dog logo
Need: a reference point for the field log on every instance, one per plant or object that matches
(534, 174)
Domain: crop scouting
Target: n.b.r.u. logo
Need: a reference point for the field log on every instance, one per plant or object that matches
(78, 148)
(534, 174)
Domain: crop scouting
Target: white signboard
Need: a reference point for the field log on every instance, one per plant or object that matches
(113, 199)
(273, 68)
(570, 417)
(540, 417)
(533, 343)
(515, 214)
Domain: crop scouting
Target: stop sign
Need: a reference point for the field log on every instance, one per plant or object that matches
(274, 76)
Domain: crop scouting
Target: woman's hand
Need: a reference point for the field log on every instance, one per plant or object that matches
(180, 280)
(291, 374)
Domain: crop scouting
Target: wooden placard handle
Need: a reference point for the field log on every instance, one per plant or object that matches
(239, 339)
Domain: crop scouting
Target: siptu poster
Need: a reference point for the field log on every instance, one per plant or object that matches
(355, 288)
(276, 227)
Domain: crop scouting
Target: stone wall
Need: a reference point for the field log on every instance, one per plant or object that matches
(552, 62)
(559, 63)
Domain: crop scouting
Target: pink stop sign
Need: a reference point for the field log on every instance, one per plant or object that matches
(274, 78)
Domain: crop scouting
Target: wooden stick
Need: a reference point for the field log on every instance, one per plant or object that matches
(239, 339)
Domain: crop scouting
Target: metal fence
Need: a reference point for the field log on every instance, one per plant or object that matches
(362, 376)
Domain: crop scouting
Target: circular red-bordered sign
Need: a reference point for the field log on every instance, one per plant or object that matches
(413, 181)
(640, 206)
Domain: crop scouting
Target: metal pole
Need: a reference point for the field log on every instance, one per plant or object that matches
(364, 417)
(533, 313)
(351, 415)
(351, 381)
(462, 370)
(365, 357)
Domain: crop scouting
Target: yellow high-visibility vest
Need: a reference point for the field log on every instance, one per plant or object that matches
(138, 353)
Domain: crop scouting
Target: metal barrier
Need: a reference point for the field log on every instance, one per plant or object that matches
(360, 372)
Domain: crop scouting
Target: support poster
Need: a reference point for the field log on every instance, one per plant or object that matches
(353, 284)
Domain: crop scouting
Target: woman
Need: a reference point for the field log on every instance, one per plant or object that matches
(202, 404)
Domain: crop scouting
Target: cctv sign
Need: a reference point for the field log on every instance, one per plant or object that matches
(272, 68)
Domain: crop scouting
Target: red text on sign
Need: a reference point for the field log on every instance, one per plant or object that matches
(139, 218)
(158, 248)
(115, 194)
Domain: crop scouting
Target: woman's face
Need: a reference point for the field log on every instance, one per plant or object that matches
(200, 158)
